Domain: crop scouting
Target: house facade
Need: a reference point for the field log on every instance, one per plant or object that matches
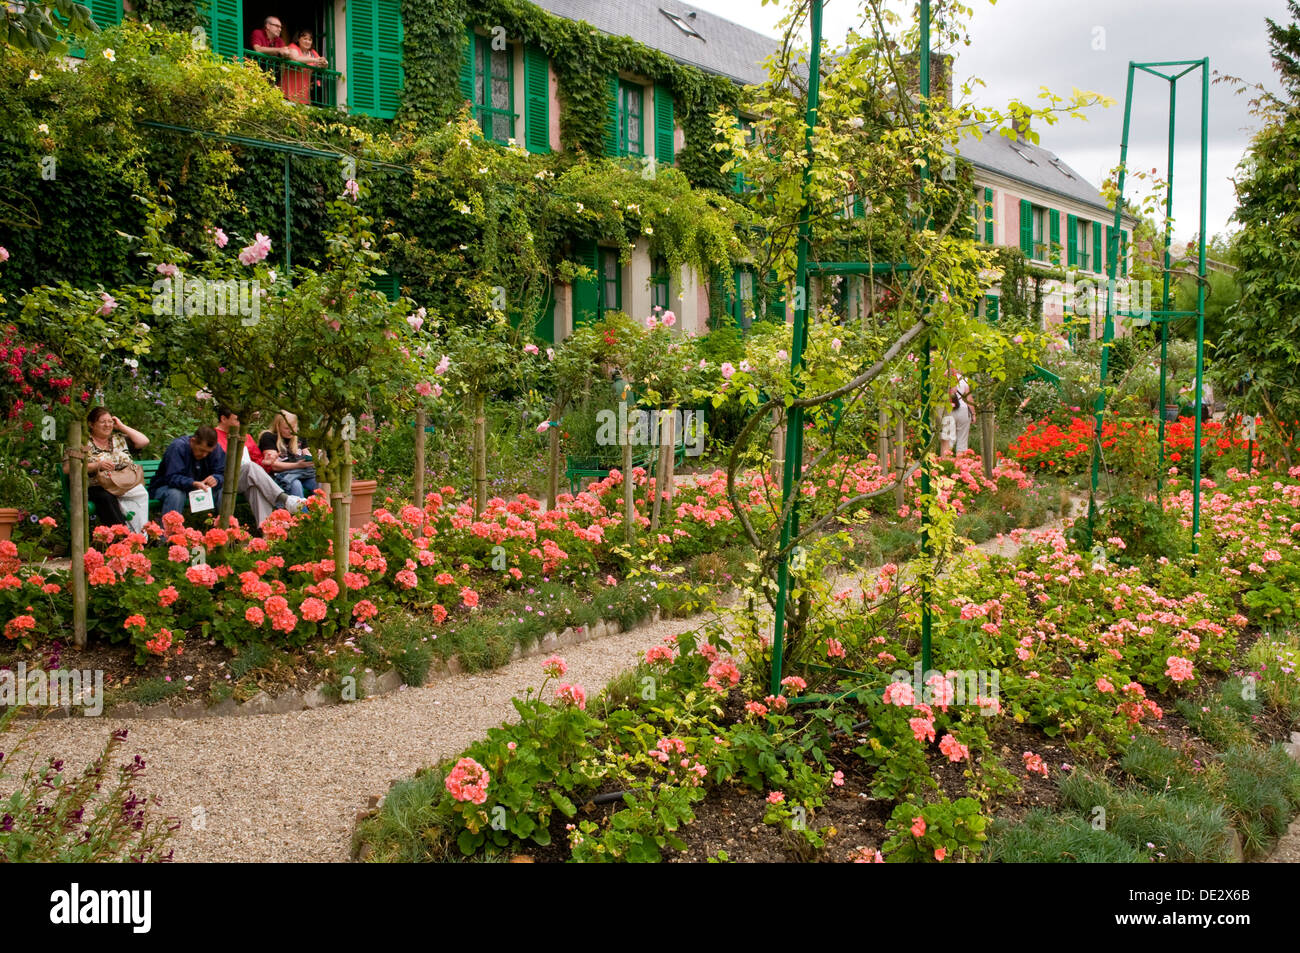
(1029, 197)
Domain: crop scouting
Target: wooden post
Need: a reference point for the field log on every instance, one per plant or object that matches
(661, 469)
(988, 435)
(900, 460)
(341, 499)
(78, 521)
(230, 481)
(480, 456)
(553, 458)
(421, 421)
(629, 490)
(670, 468)
(778, 446)
(882, 441)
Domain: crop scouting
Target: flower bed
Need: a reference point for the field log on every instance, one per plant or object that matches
(1048, 446)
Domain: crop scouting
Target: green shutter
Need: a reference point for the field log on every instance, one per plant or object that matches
(991, 308)
(775, 298)
(859, 210)
(988, 216)
(1096, 246)
(105, 13)
(974, 217)
(1054, 249)
(611, 118)
(586, 291)
(467, 66)
(1072, 233)
(374, 57)
(1110, 247)
(537, 101)
(389, 284)
(226, 27)
(1123, 251)
(1027, 228)
(388, 53)
(663, 125)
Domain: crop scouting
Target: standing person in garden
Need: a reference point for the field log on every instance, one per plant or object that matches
(264, 495)
(958, 421)
(288, 462)
(110, 447)
(190, 463)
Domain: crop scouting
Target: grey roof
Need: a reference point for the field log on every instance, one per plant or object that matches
(724, 47)
(1031, 164)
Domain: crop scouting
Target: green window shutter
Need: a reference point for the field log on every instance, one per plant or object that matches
(988, 216)
(991, 308)
(1072, 233)
(467, 66)
(1110, 247)
(586, 291)
(1053, 251)
(226, 27)
(663, 125)
(1027, 228)
(363, 94)
(388, 56)
(537, 101)
(611, 118)
(775, 298)
(389, 284)
(105, 13)
(859, 210)
(1123, 251)
(974, 217)
(1096, 246)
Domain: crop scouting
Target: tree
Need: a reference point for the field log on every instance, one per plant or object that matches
(1259, 348)
(42, 25)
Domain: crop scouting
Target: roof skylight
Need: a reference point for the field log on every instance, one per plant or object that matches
(681, 24)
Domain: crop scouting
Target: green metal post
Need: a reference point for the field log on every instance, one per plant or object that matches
(925, 370)
(288, 220)
(1200, 304)
(1108, 334)
(1164, 296)
(794, 426)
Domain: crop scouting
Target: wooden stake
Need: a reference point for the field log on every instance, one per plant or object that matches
(78, 519)
(421, 421)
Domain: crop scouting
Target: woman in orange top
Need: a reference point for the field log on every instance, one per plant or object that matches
(295, 81)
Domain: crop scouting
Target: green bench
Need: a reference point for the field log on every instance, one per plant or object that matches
(150, 468)
(578, 469)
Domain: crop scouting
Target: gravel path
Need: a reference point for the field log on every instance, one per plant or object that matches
(288, 787)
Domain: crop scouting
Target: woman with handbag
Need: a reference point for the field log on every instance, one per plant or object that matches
(116, 481)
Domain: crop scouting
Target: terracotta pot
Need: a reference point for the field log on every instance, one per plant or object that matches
(363, 492)
(9, 518)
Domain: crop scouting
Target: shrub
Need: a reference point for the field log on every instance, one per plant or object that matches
(1043, 837)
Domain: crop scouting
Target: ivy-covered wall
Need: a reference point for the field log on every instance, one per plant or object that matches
(583, 59)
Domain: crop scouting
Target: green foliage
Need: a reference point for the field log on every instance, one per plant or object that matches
(1148, 531)
(950, 830)
(94, 817)
(1043, 837)
(1262, 792)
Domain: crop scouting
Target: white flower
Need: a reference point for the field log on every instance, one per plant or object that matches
(856, 122)
(464, 209)
(581, 206)
(33, 76)
(648, 230)
(634, 208)
(131, 362)
(43, 127)
(482, 170)
(270, 274)
(464, 248)
(616, 205)
(110, 56)
(465, 143)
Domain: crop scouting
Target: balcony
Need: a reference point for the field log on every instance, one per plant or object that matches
(300, 83)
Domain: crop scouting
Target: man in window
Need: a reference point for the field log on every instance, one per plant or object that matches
(269, 40)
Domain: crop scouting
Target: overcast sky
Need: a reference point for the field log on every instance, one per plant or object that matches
(1019, 46)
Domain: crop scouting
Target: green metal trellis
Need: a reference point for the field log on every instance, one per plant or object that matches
(1164, 315)
(793, 464)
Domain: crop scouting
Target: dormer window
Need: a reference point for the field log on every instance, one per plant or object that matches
(681, 24)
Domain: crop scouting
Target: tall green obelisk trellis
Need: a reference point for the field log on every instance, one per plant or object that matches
(793, 464)
(1164, 315)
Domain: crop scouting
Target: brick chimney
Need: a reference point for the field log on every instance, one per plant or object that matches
(940, 75)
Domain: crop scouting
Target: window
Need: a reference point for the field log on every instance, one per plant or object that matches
(1082, 243)
(660, 285)
(743, 310)
(611, 281)
(1040, 251)
(631, 134)
(742, 185)
(681, 24)
(494, 90)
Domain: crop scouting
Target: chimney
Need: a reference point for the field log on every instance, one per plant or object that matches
(940, 75)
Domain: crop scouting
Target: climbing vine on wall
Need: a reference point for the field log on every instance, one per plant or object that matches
(1022, 287)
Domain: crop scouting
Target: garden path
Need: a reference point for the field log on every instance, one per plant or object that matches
(288, 787)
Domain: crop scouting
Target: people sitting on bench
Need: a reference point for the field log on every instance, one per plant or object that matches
(289, 462)
(263, 494)
(190, 463)
(110, 445)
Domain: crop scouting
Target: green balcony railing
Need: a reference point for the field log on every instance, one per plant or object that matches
(300, 83)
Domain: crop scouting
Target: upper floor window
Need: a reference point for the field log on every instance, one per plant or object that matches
(660, 286)
(611, 281)
(494, 90)
(631, 125)
(1083, 242)
(1040, 251)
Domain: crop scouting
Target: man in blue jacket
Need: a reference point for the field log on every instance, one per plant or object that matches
(190, 463)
